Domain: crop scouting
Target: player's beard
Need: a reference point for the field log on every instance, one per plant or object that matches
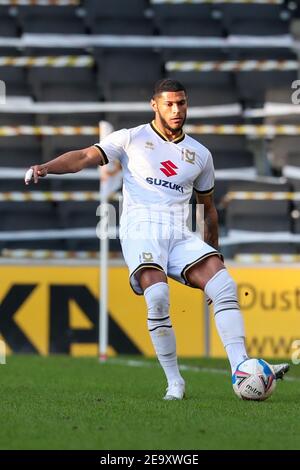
(167, 126)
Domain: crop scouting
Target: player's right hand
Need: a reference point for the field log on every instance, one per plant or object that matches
(34, 173)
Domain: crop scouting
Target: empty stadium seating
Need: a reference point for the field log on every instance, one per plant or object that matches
(264, 215)
(127, 74)
(198, 20)
(114, 17)
(50, 19)
(255, 19)
(8, 23)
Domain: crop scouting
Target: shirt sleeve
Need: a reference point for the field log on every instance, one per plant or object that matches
(113, 146)
(204, 183)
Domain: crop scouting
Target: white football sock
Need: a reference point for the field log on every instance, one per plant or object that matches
(161, 331)
(221, 289)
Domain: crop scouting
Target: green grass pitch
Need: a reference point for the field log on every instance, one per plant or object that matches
(61, 402)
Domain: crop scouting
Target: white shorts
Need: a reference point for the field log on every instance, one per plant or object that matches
(162, 247)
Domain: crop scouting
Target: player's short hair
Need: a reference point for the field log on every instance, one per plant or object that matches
(167, 84)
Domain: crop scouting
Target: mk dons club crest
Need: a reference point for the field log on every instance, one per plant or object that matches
(146, 257)
(188, 156)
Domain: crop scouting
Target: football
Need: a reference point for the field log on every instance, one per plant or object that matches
(254, 380)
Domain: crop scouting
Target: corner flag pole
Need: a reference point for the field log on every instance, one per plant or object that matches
(105, 128)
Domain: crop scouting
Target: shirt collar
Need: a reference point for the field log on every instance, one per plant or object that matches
(162, 135)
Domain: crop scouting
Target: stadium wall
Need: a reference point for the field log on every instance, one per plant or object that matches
(54, 309)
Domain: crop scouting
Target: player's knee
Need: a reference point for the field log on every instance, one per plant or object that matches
(157, 299)
(149, 276)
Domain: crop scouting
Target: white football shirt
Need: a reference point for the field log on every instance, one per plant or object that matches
(158, 175)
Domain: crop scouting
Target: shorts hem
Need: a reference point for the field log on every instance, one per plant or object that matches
(142, 266)
(190, 265)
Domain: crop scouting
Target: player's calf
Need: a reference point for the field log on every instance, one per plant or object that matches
(161, 331)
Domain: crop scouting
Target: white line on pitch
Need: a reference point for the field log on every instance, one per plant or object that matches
(141, 363)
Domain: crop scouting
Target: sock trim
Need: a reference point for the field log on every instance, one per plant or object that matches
(158, 319)
(230, 308)
(160, 326)
(227, 301)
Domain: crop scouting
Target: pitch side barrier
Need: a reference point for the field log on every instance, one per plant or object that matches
(269, 297)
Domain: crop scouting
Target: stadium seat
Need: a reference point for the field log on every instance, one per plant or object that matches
(141, 27)
(28, 216)
(114, 17)
(183, 11)
(17, 119)
(207, 27)
(127, 120)
(250, 19)
(262, 216)
(252, 85)
(50, 19)
(223, 144)
(233, 159)
(201, 79)
(203, 88)
(15, 78)
(56, 145)
(8, 24)
(116, 9)
(64, 84)
(59, 144)
(259, 215)
(255, 19)
(211, 95)
(128, 74)
(187, 20)
(20, 151)
(79, 214)
(258, 27)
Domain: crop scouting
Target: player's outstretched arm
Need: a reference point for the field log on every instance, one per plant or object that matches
(70, 162)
